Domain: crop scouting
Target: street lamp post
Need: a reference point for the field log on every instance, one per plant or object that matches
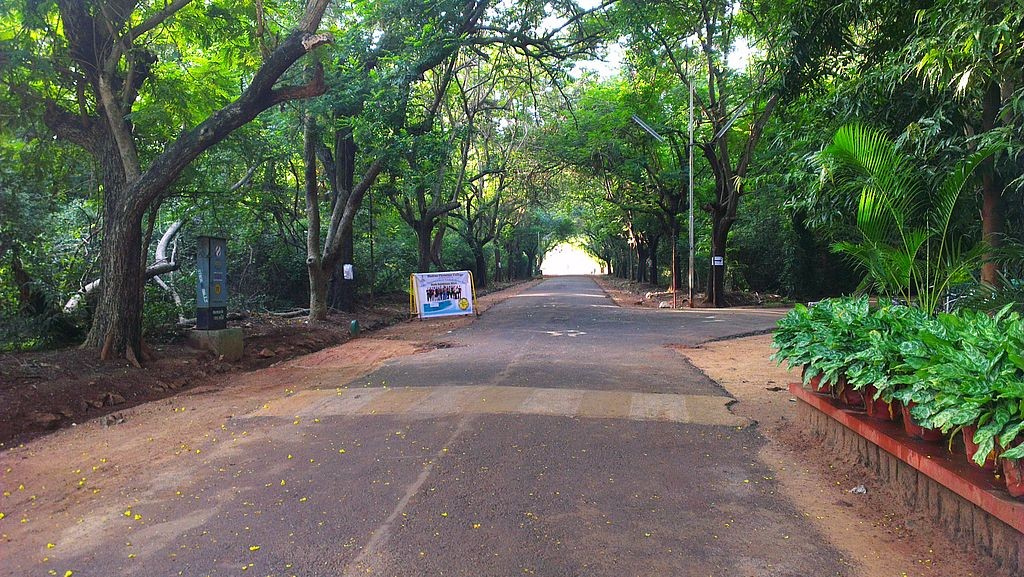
(689, 149)
(690, 203)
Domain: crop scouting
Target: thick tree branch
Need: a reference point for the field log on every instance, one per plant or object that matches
(355, 200)
(76, 129)
(119, 127)
(257, 97)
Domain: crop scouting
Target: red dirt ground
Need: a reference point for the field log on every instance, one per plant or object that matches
(49, 390)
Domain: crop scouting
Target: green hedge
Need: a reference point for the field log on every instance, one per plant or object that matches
(959, 369)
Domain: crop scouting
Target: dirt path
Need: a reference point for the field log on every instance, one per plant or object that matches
(879, 536)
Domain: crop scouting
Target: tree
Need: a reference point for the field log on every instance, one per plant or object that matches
(708, 32)
(346, 198)
(496, 132)
(381, 71)
(692, 41)
(104, 56)
(422, 193)
(971, 52)
(437, 144)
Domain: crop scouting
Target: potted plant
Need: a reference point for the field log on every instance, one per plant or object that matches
(795, 344)
(1013, 466)
(876, 364)
(823, 339)
(843, 326)
(1012, 394)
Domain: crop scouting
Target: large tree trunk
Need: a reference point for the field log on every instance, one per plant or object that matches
(480, 267)
(437, 245)
(345, 295)
(424, 237)
(497, 263)
(654, 242)
(344, 191)
(641, 262)
(531, 263)
(318, 274)
(719, 238)
(117, 319)
(318, 293)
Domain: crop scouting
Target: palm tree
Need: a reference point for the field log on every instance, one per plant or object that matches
(908, 245)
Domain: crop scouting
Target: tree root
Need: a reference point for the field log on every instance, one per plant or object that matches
(130, 355)
(107, 343)
(148, 354)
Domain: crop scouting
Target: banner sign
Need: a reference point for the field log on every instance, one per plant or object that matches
(442, 294)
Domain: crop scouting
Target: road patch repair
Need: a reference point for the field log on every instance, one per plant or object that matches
(452, 400)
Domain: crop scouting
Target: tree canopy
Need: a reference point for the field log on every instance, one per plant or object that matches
(401, 136)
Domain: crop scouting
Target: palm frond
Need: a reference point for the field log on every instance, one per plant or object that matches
(907, 246)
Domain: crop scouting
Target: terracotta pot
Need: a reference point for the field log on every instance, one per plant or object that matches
(1013, 472)
(971, 448)
(917, 431)
(848, 395)
(816, 385)
(877, 408)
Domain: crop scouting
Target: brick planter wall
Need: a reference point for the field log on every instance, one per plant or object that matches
(932, 488)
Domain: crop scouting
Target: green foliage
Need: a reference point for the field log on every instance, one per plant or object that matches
(881, 342)
(965, 371)
(907, 245)
(161, 313)
(988, 298)
(957, 370)
(822, 338)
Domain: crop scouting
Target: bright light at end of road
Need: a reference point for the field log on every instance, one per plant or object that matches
(567, 259)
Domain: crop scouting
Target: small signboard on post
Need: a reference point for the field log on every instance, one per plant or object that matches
(442, 294)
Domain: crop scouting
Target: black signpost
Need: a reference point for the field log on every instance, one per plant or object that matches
(211, 285)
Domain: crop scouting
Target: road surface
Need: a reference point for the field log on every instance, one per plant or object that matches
(558, 435)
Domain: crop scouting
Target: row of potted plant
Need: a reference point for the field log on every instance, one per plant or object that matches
(948, 373)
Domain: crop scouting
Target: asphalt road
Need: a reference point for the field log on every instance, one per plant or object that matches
(558, 435)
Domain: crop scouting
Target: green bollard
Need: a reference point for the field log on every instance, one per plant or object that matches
(353, 328)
